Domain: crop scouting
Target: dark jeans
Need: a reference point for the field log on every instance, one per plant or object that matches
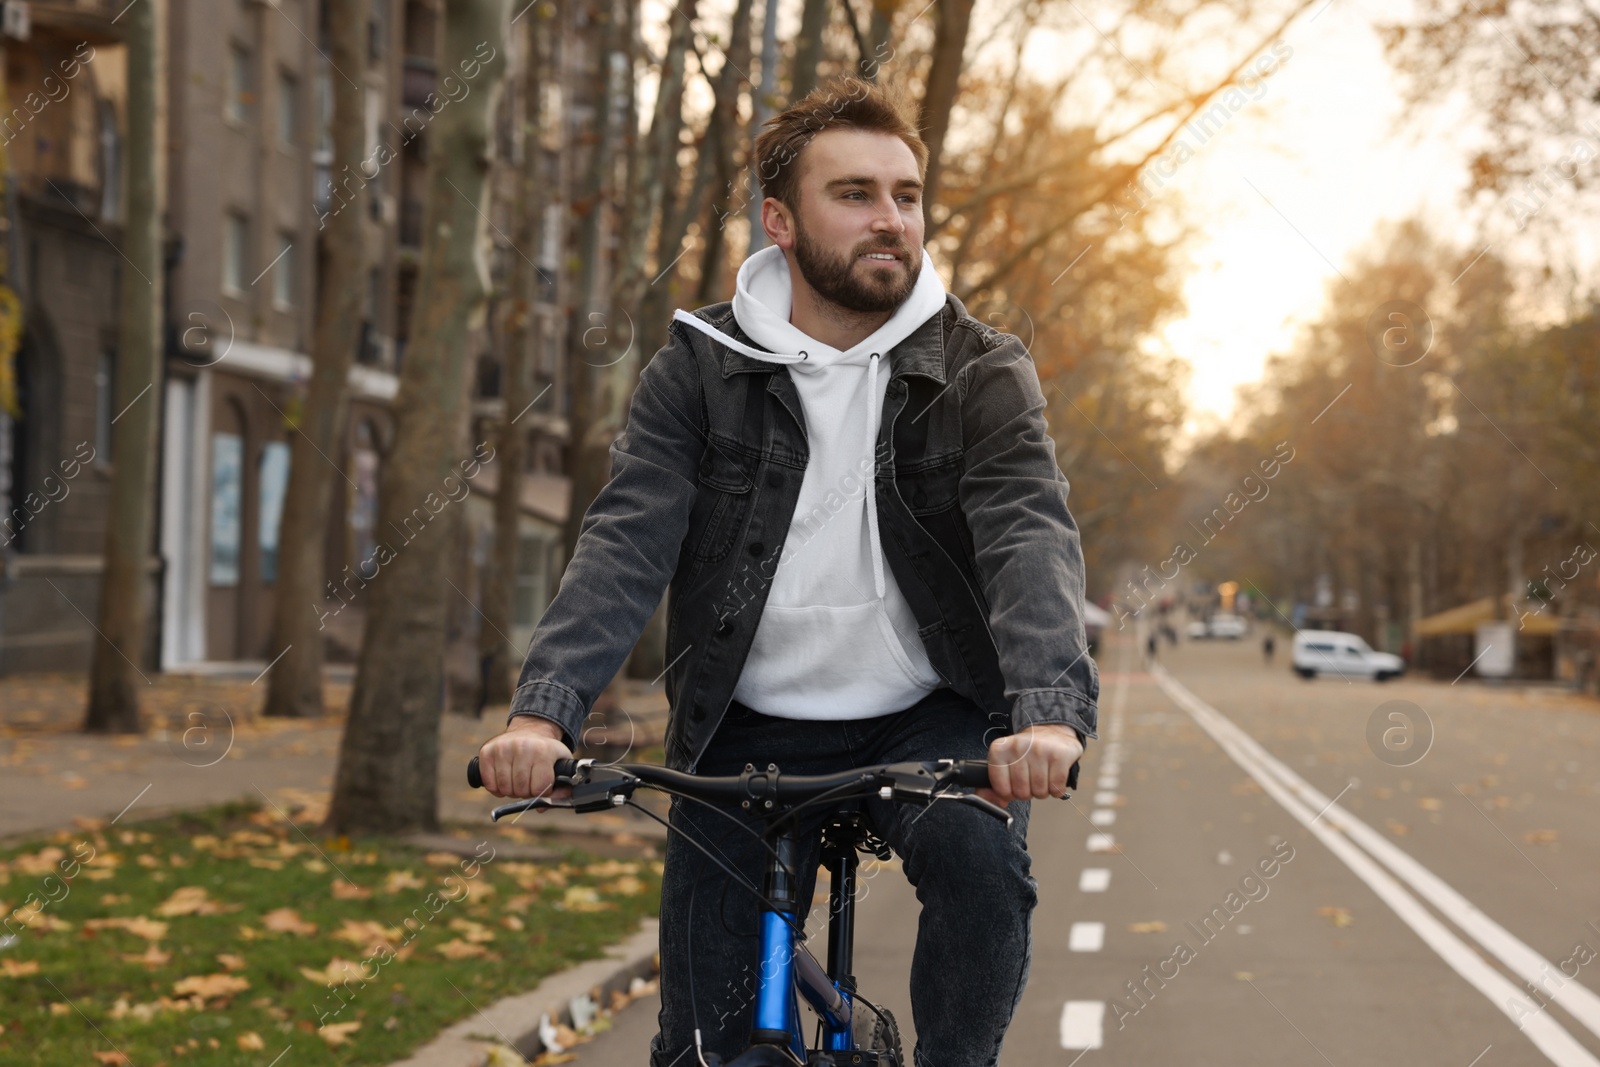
(970, 871)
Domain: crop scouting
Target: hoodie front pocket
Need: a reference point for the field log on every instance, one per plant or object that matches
(720, 504)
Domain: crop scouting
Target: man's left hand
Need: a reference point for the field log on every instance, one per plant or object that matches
(1031, 764)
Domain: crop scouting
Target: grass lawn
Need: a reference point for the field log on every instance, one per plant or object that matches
(225, 937)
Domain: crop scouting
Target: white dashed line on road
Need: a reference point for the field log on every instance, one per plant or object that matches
(1105, 796)
(1082, 1023)
(1102, 817)
(1086, 937)
(1101, 842)
(1094, 879)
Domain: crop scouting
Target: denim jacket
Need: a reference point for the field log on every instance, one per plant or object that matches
(972, 514)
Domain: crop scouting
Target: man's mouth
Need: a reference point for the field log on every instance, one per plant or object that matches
(882, 257)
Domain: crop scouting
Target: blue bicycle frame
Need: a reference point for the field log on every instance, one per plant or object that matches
(785, 975)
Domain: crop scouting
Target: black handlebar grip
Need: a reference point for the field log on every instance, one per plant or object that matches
(973, 772)
(565, 768)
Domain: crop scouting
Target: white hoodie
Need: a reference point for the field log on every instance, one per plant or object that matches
(836, 639)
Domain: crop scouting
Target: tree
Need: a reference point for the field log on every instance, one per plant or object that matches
(387, 776)
(527, 208)
(124, 586)
(294, 688)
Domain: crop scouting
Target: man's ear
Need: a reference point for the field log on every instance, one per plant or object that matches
(778, 223)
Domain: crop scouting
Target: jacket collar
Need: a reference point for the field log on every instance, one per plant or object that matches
(922, 352)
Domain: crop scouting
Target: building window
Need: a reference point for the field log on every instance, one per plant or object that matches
(235, 253)
(105, 396)
(364, 501)
(288, 108)
(241, 85)
(283, 272)
(227, 474)
(322, 155)
(274, 483)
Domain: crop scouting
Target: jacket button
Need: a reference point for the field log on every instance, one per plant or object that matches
(698, 714)
(775, 480)
(756, 548)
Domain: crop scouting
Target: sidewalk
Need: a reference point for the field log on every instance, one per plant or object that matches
(207, 744)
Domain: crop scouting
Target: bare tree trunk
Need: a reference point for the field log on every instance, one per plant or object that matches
(114, 676)
(955, 18)
(387, 777)
(494, 638)
(295, 686)
(764, 99)
(589, 358)
(722, 144)
(808, 49)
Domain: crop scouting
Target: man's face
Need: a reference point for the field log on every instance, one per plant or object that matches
(860, 202)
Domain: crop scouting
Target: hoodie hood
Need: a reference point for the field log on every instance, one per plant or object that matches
(762, 304)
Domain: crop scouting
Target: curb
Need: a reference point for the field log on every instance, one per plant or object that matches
(514, 1020)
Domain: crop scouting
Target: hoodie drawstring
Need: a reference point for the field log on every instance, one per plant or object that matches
(872, 484)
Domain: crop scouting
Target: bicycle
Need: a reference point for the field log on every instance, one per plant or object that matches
(787, 970)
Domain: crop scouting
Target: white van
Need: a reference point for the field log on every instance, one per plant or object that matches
(1343, 655)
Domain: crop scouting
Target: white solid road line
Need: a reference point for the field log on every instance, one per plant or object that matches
(1082, 1023)
(1094, 879)
(1330, 823)
(1086, 937)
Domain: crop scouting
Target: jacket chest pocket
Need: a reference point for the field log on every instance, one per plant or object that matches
(722, 502)
(931, 487)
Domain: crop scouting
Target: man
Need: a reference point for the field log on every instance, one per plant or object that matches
(849, 482)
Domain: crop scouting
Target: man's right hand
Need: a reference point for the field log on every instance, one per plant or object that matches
(521, 761)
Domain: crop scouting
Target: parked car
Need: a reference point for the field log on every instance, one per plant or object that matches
(1343, 655)
(1228, 626)
(1222, 625)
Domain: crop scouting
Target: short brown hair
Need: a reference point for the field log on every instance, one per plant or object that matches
(846, 102)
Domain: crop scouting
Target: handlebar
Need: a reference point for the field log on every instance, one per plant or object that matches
(598, 787)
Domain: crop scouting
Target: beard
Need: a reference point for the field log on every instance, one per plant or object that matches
(871, 290)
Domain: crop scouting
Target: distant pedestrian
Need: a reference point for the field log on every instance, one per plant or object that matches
(1267, 646)
(1150, 647)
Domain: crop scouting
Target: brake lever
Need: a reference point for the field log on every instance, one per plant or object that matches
(534, 804)
(988, 807)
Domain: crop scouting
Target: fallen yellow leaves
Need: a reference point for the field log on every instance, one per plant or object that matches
(346, 890)
(210, 985)
(477, 933)
(584, 898)
(458, 949)
(288, 921)
(366, 934)
(626, 886)
(250, 1041)
(1430, 803)
(114, 1058)
(1154, 926)
(398, 880)
(1541, 837)
(338, 1033)
(230, 962)
(1336, 915)
(337, 970)
(152, 956)
(193, 900)
(137, 925)
(18, 968)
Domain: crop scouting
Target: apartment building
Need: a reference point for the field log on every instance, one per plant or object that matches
(248, 180)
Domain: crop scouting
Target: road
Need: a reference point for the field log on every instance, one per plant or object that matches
(1275, 888)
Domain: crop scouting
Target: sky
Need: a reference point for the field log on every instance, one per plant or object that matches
(1295, 182)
